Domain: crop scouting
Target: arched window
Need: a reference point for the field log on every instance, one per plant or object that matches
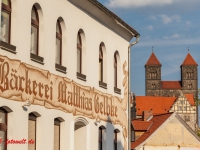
(5, 20)
(116, 131)
(34, 30)
(190, 86)
(57, 132)
(115, 70)
(101, 137)
(58, 43)
(3, 127)
(79, 53)
(32, 124)
(100, 63)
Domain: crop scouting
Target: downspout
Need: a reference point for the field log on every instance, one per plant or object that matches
(129, 92)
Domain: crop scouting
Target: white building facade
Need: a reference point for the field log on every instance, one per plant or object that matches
(63, 76)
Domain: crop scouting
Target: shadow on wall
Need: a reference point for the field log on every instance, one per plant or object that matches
(110, 137)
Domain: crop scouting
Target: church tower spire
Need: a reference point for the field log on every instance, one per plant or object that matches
(189, 77)
(153, 75)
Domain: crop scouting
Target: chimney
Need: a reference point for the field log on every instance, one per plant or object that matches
(147, 115)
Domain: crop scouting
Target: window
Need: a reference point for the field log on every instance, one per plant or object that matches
(32, 124)
(79, 53)
(153, 86)
(101, 136)
(189, 74)
(100, 63)
(56, 134)
(190, 86)
(34, 31)
(153, 74)
(115, 138)
(3, 128)
(5, 20)
(58, 43)
(115, 70)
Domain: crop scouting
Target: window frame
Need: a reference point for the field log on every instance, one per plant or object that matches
(35, 23)
(79, 47)
(33, 117)
(59, 37)
(115, 140)
(100, 139)
(57, 123)
(5, 124)
(101, 61)
(7, 9)
(115, 70)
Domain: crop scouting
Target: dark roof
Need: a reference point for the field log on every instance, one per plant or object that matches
(171, 84)
(153, 60)
(189, 60)
(157, 120)
(158, 104)
(112, 15)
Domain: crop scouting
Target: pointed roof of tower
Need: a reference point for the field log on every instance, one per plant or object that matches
(153, 60)
(189, 60)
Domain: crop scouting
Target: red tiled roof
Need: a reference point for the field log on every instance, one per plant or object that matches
(189, 60)
(190, 98)
(159, 105)
(171, 84)
(157, 120)
(153, 60)
(139, 125)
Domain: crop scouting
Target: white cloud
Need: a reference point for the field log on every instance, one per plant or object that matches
(188, 23)
(150, 28)
(179, 4)
(168, 41)
(175, 36)
(138, 3)
(169, 19)
(153, 17)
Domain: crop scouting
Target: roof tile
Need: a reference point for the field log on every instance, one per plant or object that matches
(171, 84)
(158, 105)
(157, 120)
(141, 125)
(189, 60)
(153, 60)
(190, 98)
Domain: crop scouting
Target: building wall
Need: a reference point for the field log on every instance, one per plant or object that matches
(95, 32)
(186, 111)
(174, 135)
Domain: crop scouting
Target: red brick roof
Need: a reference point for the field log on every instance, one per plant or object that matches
(141, 125)
(171, 84)
(190, 98)
(159, 105)
(189, 60)
(153, 60)
(157, 120)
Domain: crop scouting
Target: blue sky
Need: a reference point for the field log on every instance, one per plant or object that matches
(171, 26)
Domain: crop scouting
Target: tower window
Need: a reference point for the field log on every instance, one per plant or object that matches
(153, 86)
(190, 86)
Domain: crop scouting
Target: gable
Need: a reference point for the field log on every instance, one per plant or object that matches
(182, 105)
(174, 132)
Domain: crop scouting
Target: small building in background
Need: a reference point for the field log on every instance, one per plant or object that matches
(166, 131)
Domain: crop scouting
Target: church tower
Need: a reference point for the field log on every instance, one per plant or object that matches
(189, 75)
(153, 76)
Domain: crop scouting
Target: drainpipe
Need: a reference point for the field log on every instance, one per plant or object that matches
(129, 92)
